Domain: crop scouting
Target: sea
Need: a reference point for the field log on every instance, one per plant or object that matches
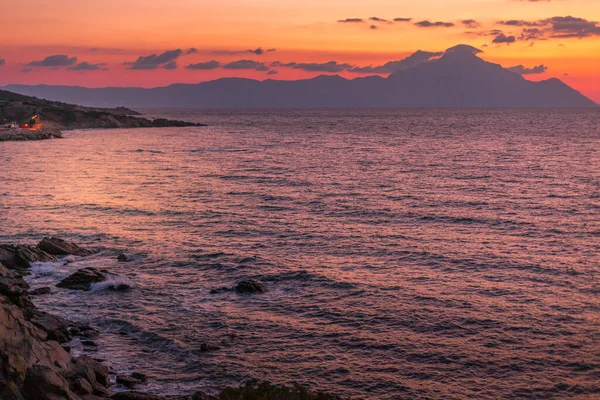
(407, 254)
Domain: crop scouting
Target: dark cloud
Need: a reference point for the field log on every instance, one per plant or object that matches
(555, 28)
(272, 72)
(531, 34)
(171, 65)
(26, 70)
(205, 65)
(373, 27)
(470, 23)
(351, 20)
(516, 22)
(400, 65)
(503, 39)
(331, 66)
(402, 19)
(191, 50)
(377, 19)
(260, 51)
(85, 66)
(155, 61)
(429, 24)
(522, 70)
(2, 61)
(59, 60)
(246, 64)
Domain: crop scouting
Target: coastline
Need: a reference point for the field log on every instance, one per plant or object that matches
(36, 359)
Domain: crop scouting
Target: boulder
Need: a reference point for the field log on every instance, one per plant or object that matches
(56, 328)
(92, 371)
(40, 291)
(250, 286)
(127, 381)
(60, 247)
(122, 257)
(21, 256)
(14, 289)
(139, 376)
(82, 279)
(44, 383)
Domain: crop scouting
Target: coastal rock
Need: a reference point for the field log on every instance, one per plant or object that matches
(91, 371)
(14, 289)
(250, 286)
(122, 257)
(40, 291)
(60, 247)
(139, 376)
(220, 290)
(44, 383)
(56, 328)
(135, 396)
(127, 381)
(21, 256)
(204, 347)
(82, 279)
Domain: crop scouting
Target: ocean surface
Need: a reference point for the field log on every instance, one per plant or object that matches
(434, 254)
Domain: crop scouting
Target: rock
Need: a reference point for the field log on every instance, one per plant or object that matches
(208, 347)
(90, 370)
(89, 343)
(127, 381)
(82, 279)
(59, 247)
(135, 396)
(81, 386)
(40, 291)
(56, 328)
(139, 376)
(250, 286)
(45, 383)
(21, 256)
(14, 289)
(122, 257)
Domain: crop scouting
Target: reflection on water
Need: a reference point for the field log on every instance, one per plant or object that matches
(438, 254)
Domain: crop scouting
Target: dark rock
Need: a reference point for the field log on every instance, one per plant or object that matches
(197, 396)
(60, 247)
(208, 347)
(135, 396)
(122, 257)
(127, 381)
(45, 383)
(89, 343)
(250, 286)
(82, 279)
(21, 256)
(40, 291)
(81, 386)
(56, 328)
(90, 370)
(139, 376)
(14, 289)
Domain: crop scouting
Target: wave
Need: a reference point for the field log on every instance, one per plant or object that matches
(113, 282)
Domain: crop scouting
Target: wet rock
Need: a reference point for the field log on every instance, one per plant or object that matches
(81, 386)
(197, 396)
(56, 328)
(60, 247)
(14, 289)
(89, 343)
(250, 286)
(92, 371)
(82, 279)
(40, 291)
(139, 376)
(135, 396)
(21, 256)
(127, 381)
(208, 347)
(43, 383)
(122, 257)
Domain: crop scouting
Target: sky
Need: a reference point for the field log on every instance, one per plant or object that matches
(149, 43)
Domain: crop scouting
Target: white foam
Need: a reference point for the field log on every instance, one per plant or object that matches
(112, 282)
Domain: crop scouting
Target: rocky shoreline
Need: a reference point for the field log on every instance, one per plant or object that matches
(35, 357)
(55, 117)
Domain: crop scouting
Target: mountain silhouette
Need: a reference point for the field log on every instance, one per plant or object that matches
(457, 77)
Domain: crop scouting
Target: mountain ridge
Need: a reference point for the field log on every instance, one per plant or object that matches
(457, 77)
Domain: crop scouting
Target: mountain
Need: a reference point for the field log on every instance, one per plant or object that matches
(456, 78)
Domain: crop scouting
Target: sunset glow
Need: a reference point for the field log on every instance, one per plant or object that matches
(101, 40)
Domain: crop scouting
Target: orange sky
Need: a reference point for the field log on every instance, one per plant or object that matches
(113, 32)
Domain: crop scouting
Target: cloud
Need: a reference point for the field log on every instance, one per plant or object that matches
(331, 66)
(26, 70)
(85, 66)
(555, 28)
(402, 19)
(204, 65)
(272, 72)
(2, 61)
(59, 60)
(373, 27)
(191, 50)
(246, 64)
(154, 61)
(351, 20)
(400, 65)
(470, 23)
(503, 39)
(377, 19)
(429, 24)
(522, 70)
(260, 51)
